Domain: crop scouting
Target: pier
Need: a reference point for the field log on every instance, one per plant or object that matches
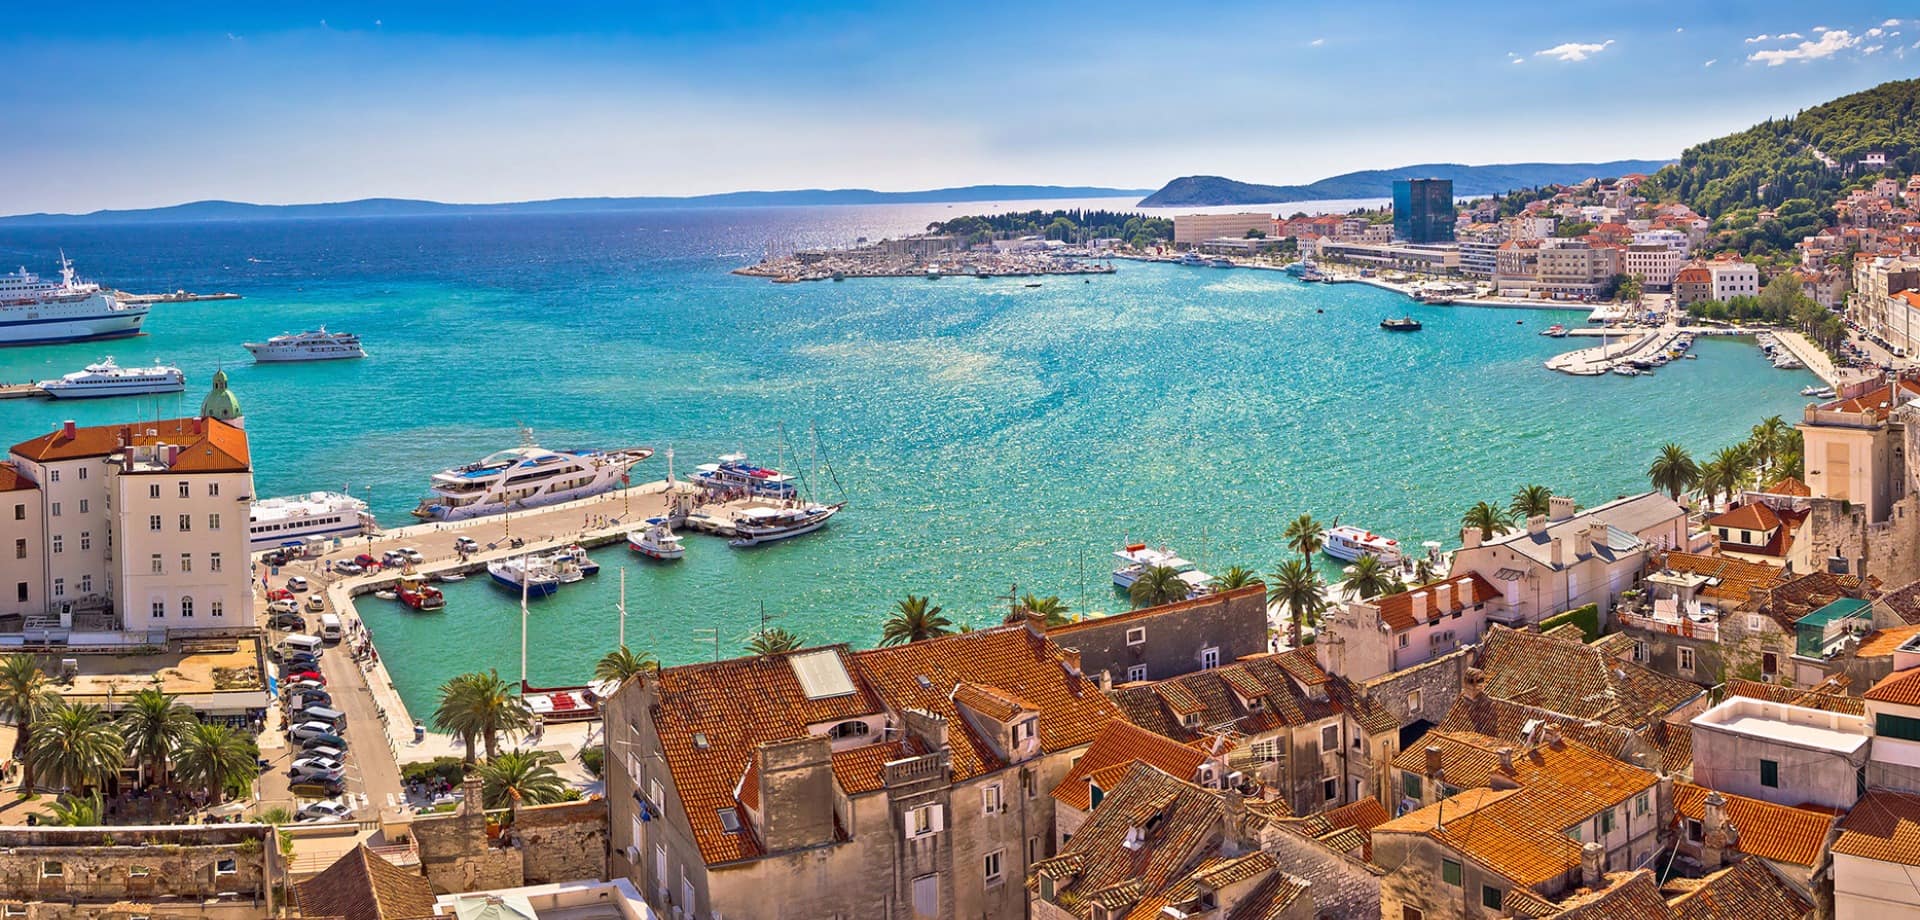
(1590, 362)
(175, 297)
(20, 390)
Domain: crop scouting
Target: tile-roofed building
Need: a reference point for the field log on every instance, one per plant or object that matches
(362, 886)
(1754, 529)
(1347, 829)
(1747, 890)
(1155, 643)
(1661, 746)
(1366, 638)
(722, 772)
(1794, 840)
(1577, 680)
(1119, 746)
(1829, 695)
(1568, 558)
(205, 445)
(1790, 486)
(1903, 602)
(1730, 581)
(1781, 752)
(1876, 855)
(12, 481)
(1860, 475)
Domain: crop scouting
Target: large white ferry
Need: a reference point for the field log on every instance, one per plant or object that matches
(279, 521)
(1348, 543)
(527, 476)
(735, 476)
(109, 379)
(70, 310)
(318, 345)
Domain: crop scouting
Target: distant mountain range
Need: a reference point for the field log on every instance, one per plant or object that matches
(406, 207)
(1204, 191)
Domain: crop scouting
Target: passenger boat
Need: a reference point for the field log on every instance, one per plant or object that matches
(1219, 263)
(1817, 391)
(416, 593)
(733, 474)
(1555, 331)
(1625, 371)
(279, 521)
(316, 345)
(755, 526)
(528, 476)
(656, 541)
(530, 574)
(1403, 324)
(1137, 558)
(33, 311)
(106, 378)
(1348, 543)
(577, 556)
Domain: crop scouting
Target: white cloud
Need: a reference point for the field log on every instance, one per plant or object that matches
(1828, 44)
(1518, 60)
(1680, 29)
(1890, 23)
(1710, 62)
(1876, 32)
(1871, 49)
(1787, 35)
(1819, 29)
(1762, 37)
(1317, 42)
(1573, 51)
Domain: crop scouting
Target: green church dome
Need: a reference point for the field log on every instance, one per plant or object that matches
(220, 403)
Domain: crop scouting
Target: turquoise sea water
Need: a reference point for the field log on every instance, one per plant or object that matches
(987, 434)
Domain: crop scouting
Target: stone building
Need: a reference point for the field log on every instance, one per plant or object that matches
(1567, 558)
(1677, 623)
(544, 844)
(1781, 753)
(1793, 841)
(1865, 515)
(1776, 636)
(1370, 637)
(1155, 643)
(1112, 755)
(220, 872)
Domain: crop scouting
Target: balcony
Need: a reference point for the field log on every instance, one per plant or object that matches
(1705, 629)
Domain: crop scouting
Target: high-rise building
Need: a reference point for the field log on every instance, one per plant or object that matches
(1423, 210)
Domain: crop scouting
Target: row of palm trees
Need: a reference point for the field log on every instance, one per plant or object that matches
(1772, 451)
(78, 747)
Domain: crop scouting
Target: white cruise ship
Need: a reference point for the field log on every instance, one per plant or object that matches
(1348, 543)
(318, 345)
(527, 476)
(109, 379)
(279, 521)
(33, 311)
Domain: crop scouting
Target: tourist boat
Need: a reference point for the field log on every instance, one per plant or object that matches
(755, 526)
(733, 474)
(528, 476)
(317, 345)
(1555, 331)
(416, 593)
(33, 311)
(296, 518)
(1403, 324)
(576, 555)
(656, 541)
(1219, 263)
(451, 576)
(109, 379)
(933, 273)
(1625, 371)
(1193, 259)
(1348, 543)
(530, 574)
(1137, 558)
(1818, 392)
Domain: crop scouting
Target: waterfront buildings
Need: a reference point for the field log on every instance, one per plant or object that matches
(1566, 559)
(1423, 210)
(1576, 267)
(1878, 304)
(1864, 513)
(1428, 259)
(1733, 278)
(1655, 264)
(1192, 229)
(1692, 284)
(137, 533)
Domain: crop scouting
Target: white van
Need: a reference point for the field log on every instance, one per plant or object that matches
(301, 642)
(330, 627)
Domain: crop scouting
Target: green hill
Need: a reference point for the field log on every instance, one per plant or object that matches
(1778, 164)
(1202, 191)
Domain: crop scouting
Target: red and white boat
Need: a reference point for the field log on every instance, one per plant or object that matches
(1348, 543)
(419, 595)
(656, 541)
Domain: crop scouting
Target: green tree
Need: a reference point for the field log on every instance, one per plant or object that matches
(913, 619)
(623, 664)
(1673, 471)
(515, 778)
(153, 723)
(1235, 578)
(1768, 441)
(214, 758)
(1490, 518)
(773, 641)
(1529, 501)
(75, 746)
(1304, 535)
(23, 695)
(479, 706)
(78, 811)
(1051, 607)
(1294, 585)
(1369, 578)
(1158, 585)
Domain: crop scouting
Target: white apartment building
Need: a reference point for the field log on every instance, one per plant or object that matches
(1734, 279)
(22, 554)
(1532, 227)
(1656, 264)
(1189, 229)
(1575, 267)
(140, 530)
(1672, 239)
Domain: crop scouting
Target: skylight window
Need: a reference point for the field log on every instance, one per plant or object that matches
(821, 674)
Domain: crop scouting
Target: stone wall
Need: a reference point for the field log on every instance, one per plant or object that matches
(562, 843)
(1235, 623)
(1425, 691)
(126, 910)
(1342, 886)
(90, 865)
(1889, 550)
(456, 855)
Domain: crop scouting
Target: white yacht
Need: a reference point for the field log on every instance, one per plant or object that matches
(756, 526)
(1348, 543)
(532, 575)
(656, 541)
(734, 475)
(318, 345)
(528, 476)
(1137, 558)
(278, 521)
(33, 311)
(109, 379)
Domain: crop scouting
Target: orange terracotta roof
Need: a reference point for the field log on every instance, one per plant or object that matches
(1750, 516)
(1904, 602)
(1577, 679)
(1901, 687)
(1095, 867)
(1293, 685)
(1748, 890)
(1494, 828)
(1173, 610)
(1790, 485)
(1120, 745)
(1567, 783)
(361, 885)
(1396, 610)
(997, 705)
(1881, 398)
(1734, 579)
(1885, 641)
(12, 481)
(1010, 659)
(1776, 832)
(863, 769)
(1883, 825)
(208, 445)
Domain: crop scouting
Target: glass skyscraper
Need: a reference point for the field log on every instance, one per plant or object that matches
(1423, 210)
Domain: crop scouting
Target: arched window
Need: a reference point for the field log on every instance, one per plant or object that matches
(186, 606)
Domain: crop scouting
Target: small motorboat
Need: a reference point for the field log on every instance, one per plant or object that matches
(451, 576)
(387, 594)
(657, 541)
(1555, 331)
(1625, 371)
(1403, 324)
(577, 555)
(416, 593)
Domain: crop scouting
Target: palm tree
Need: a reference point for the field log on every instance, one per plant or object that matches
(1768, 439)
(773, 641)
(77, 811)
(214, 758)
(1424, 572)
(1369, 577)
(515, 778)
(1158, 585)
(624, 663)
(153, 723)
(75, 746)
(1489, 517)
(480, 706)
(914, 619)
(1294, 585)
(1303, 537)
(23, 694)
(1051, 607)
(1529, 501)
(1235, 578)
(1673, 471)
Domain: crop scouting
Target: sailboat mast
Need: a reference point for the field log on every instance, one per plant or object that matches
(623, 596)
(524, 575)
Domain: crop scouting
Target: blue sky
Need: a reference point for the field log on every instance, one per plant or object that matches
(122, 105)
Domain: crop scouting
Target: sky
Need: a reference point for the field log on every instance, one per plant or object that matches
(114, 105)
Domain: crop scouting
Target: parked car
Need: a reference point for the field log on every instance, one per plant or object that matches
(298, 775)
(316, 603)
(297, 584)
(311, 696)
(329, 810)
(322, 750)
(276, 558)
(411, 555)
(299, 663)
(307, 675)
(325, 739)
(279, 594)
(348, 567)
(283, 605)
(286, 621)
(316, 763)
(393, 559)
(317, 788)
(466, 544)
(365, 559)
(300, 686)
(310, 730)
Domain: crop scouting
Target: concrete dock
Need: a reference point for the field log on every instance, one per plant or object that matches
(21, 391)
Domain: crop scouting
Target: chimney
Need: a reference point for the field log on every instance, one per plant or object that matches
(1596, 537)
(796, 792)
(1663, 800)
(1471, 681)
(1106, 681)
(1469, 537)
(1506, 759)
(1233, 814)
(1036, 624)
(1537, 524)
(1593, 863)
(68, 430)
(1465, 587)
(1433, 760)
(1442, 597)
(1419, 599)
(1551, 732)
(1559, 508)
(1715, 836)
(1559, 552)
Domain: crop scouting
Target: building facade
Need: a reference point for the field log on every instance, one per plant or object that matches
(1192, 229)
(1423, 210)
(1156, 643)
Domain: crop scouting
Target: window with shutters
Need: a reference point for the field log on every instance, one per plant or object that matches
(1410, 785)
(1892, 726)
(990, 799)
(1770, 773)
(924, 821)
(1450, 872)
(1490, 897)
